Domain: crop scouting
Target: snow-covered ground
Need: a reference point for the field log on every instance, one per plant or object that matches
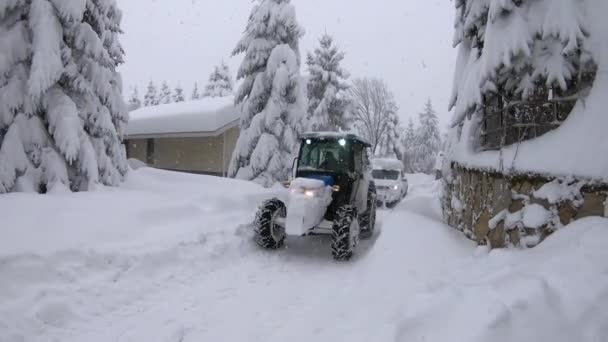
(169, 257)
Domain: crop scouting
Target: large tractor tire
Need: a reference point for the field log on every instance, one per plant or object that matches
(268, 234)
(345, 233)
(368, 219)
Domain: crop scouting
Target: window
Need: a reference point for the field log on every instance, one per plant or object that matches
(359, 167)
(385, 174)
(326, 155)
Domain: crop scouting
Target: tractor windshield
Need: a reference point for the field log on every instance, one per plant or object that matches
(326, 155)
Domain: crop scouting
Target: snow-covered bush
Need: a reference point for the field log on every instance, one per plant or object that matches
(271, 96)
(62, 114)
(220, 82)
(328, 99)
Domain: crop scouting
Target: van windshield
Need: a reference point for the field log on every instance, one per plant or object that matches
(385, 174)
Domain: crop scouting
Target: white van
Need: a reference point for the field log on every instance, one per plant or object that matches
(391, 183)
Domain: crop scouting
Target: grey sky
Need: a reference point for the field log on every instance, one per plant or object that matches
(407, 43)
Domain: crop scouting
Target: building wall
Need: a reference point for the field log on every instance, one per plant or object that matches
(516, 210)
(137, 149)
(231, 136)
(204, 155)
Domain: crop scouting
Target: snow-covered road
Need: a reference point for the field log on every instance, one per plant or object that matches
(180, 266)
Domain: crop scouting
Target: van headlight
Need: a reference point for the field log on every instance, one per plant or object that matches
(395, 187)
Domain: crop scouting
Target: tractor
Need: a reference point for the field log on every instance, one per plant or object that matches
(332, 192)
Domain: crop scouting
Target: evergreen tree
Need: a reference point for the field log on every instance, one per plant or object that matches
(390, 145)
(513, 48)
(327, 98)
(165, 94)
(178, 94)
(195, 93)
(134, 101)
(428, 139)
(62, 114)
(409, 147)
(220, 82)
(151, 97)
(271, 96)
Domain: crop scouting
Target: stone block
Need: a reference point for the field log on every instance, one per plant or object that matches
(593, 205)
(497, 236)
(515, 237)
(516, 205)
(501, 195)
(482, 225)
(524, 187)
(566, 212)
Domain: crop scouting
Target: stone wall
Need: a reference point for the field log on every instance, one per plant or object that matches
(516, 210)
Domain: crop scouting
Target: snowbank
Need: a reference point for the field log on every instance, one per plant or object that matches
(200, 116)
(168, 257)
(555, 292)
(153, 210)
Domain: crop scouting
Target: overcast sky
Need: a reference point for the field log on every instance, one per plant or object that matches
(407, 43)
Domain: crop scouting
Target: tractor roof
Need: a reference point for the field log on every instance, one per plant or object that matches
(335, 136)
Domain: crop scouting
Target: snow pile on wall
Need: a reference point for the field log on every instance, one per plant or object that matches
(578, 147)
(204, 115)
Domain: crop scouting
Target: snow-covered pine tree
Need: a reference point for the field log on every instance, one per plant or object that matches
(220, 82)
(178, 94)
(195, 92)
(151, 97)
(271, 96)
(390, 143)
(62, 114)
(165, 94)
(514, 50)
(134, 101)
(328, 100)
(428, 139)
(409, 147)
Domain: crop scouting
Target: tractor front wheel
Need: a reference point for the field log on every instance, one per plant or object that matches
(345, 233)
(269, 234)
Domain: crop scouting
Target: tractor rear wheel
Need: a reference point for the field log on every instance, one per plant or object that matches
(345, 233)
(368, 219)
(269, 234)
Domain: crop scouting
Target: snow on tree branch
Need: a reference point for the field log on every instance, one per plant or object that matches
(62, 114)
(271, 95)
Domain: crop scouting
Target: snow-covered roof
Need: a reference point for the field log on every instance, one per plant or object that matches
(205, 117)
(387, 164)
